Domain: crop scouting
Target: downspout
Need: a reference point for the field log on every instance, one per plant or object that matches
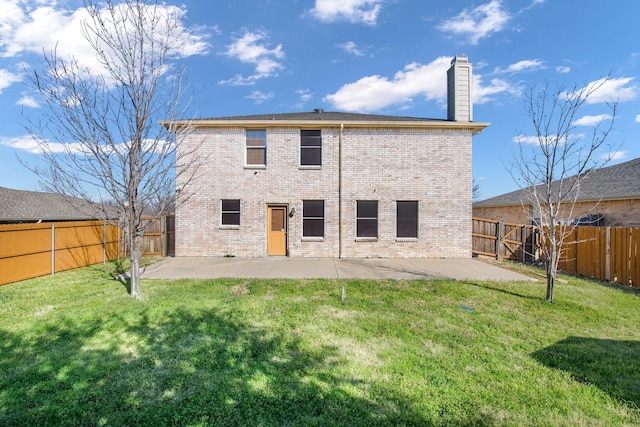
(340, 190)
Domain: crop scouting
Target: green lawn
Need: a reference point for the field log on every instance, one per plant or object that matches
(76, 350)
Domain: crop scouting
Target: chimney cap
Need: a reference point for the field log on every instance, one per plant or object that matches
(459, 58)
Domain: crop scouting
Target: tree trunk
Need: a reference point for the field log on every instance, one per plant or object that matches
(550, 282)
(136, 254)
(551, 279)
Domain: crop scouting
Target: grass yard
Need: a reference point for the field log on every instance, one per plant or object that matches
(76, 350)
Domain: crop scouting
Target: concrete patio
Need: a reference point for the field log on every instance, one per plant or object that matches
(333, 268)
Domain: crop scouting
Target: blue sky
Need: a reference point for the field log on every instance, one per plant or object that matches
(378, 56)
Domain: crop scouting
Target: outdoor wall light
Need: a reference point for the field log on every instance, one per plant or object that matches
(292, 212)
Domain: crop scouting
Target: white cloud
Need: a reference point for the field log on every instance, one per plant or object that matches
(525, 65)
(355, 11)
(615, 155)
(638, 118)
(8, 78)
(28, 144)
(549, 139)
(372, 93)
(526, 139)
(479, 22)
(351, 47)
(48, 27)
(251, 49)
(305, 96)
(482, 94)
(616, 90)
(591, 120)
(260, 97)
(28, 101)
(563, 69)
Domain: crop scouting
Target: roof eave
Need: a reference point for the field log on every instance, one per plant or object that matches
(589, 200)
(475, 127)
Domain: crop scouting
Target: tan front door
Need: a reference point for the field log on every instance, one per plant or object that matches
(277, 231)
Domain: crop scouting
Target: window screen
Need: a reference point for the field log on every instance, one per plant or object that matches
(313, 218)
(407, 219)
(256, 147)
(367, 218)
(231, 212)
(310, 148)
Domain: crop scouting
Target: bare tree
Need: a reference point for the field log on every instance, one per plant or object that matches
(108, 145)
(475, 192)
(552, 165)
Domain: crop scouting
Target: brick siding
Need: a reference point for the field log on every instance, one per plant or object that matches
(432, 166)
(617, 213)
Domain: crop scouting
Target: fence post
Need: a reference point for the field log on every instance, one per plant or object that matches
(607, 255)
(104, 242)
(164, 236)
(534, 244)
(53, 249)
(499, 240)
(523, 230)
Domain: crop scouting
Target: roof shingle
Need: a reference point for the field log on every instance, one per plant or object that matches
(621, 181)
(20, 205)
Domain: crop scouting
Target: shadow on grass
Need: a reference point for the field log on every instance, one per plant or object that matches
(611, 365)
(496, 287)
(180, 368)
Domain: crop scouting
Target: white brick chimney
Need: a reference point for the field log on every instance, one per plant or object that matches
(459, 107)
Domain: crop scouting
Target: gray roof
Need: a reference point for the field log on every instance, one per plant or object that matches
(21, 206)
(319, 117)
(320, 114)
(617, 182)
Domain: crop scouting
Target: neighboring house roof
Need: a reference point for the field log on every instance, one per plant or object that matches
(21, 206)
(617, 182)
(319, 117)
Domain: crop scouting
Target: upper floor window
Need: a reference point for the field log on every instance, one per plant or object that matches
(256, 147)
(407, 219)
(534, 216)
(367, 218)
(230, 212)
(310, 148)
(313, 218)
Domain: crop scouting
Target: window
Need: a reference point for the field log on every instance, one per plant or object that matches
(534, 216)
(256, 147)
(367, 218)
(231, 212)
(407, 219)
(310, 148)
(313, 218)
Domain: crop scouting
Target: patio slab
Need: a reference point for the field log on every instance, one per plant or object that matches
(332, 268)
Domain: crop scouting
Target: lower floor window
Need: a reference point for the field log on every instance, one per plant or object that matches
(230, 212)
(367, 218)
(313, 218)
(407, 219)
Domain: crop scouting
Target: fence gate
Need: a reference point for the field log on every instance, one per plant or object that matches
(159, 237)
(603, 253)
(505, 240)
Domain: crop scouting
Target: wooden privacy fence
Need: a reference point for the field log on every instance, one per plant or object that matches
(505, 240)
(32, 250)
(160, 237)
(604, 253)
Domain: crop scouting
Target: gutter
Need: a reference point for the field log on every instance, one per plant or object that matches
(340, 137)
(475, 127)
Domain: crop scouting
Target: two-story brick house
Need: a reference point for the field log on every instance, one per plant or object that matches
(332, 184)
